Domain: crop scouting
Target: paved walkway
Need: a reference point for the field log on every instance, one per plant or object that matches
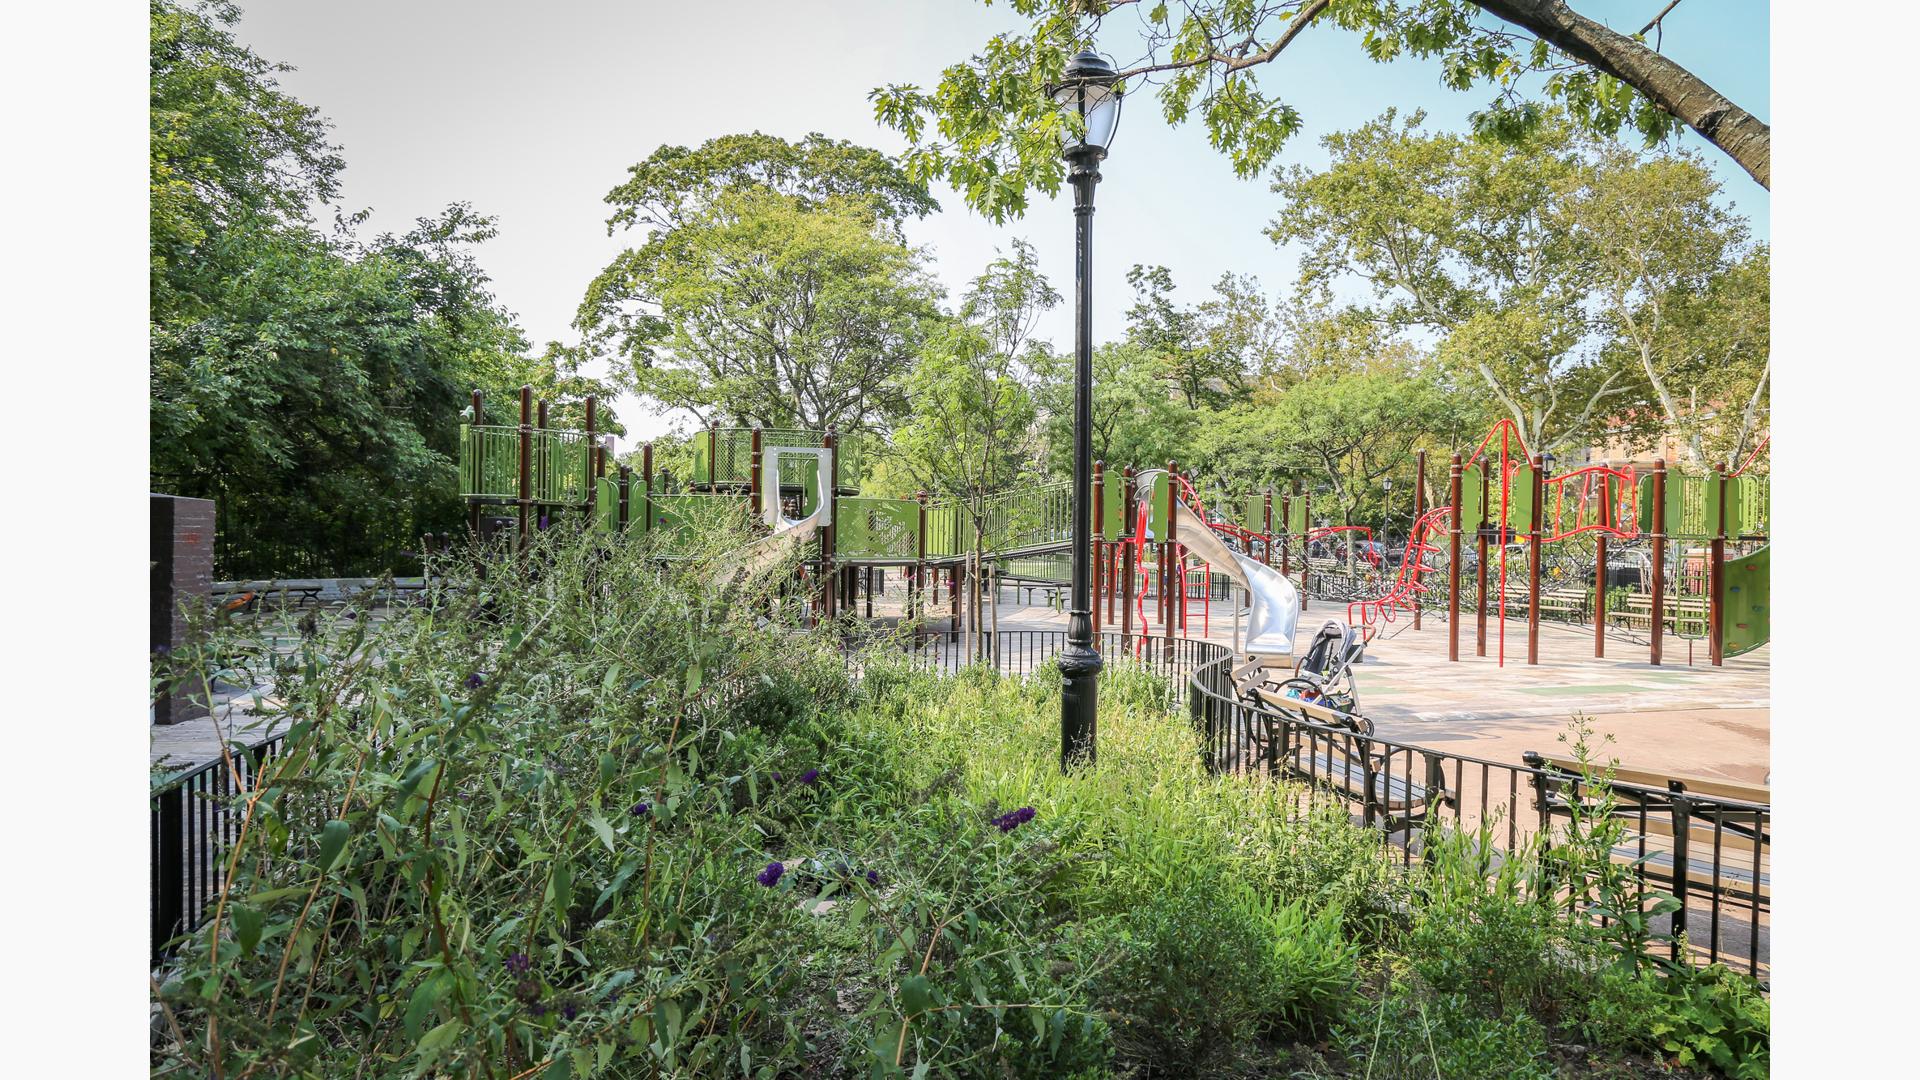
(1687, 719)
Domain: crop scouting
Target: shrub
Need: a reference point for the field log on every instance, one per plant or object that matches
(1698, 1017)
(1413, 1034)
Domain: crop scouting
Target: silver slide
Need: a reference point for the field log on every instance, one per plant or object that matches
(787, 531)
(1275, 606)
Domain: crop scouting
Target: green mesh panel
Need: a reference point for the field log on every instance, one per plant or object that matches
(877, 528)
(1747, 599)
(1297, 515)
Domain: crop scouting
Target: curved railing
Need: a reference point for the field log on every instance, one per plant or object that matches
(1723, 844)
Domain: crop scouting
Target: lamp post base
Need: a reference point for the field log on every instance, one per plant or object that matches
(1080, 668)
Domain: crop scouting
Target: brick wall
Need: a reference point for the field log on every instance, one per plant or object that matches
(182, 554)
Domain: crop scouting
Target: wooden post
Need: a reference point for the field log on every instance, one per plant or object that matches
(754, 465)
(593, 463)
(1453, 563)
(1480, 566)
(1657, 603)
(526, 466)
(1716, 575)
(1600, 567)
(646, 470)
(1413, 537)
(1538, 495)
(1098, 543)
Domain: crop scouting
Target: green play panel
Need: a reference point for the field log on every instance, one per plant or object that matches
(1588, 688)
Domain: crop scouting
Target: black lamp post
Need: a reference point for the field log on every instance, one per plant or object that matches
(1090, 95)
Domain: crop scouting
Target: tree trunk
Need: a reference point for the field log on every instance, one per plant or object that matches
(1678, 91)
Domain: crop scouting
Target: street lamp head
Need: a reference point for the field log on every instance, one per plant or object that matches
(1090, 96)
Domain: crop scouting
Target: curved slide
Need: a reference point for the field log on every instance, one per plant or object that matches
(1275, 601)
(787, 531)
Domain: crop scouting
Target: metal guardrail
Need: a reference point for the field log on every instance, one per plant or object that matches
(195, 818)
(1720, 846)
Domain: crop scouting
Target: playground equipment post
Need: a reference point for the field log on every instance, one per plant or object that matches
(1716, 573)
(526, 467)
(1099, 537)
(1453, 562)
(1533, 562)
(593, 463)
(754, 465)
(1419, 508)
(1657, 602)
(1600, 565)
(1480, 562)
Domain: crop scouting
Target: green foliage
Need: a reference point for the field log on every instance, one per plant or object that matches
(1413, 1034)
(309, 383)
(774, 285)
(1707, 1018)
(991, 130)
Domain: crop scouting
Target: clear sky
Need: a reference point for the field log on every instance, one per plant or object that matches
(532, 112)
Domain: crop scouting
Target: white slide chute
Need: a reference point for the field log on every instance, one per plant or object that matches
(1274, 602)
(787, 531)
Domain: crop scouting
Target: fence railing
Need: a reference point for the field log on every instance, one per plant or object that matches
(195, 818)
(1709, 853)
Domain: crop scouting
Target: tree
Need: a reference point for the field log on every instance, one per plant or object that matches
(1137, 419)
(309, 383)
(1684, 294)
(1475, 243)
(774, 286)
(991, 129)
(1197, 350)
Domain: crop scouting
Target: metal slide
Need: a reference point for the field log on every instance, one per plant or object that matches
(787, 531)
(1275, 606)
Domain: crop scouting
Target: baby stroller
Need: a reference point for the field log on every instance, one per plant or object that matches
(1324, 673)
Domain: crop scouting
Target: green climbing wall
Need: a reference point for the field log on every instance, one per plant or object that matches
(1748, 602)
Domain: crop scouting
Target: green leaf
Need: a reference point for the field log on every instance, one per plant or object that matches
(247, 921)
(561, 887)
(439, 1037)
(916, 994)
(425, 998)
(601, 829)
(333, 843)
(561, 1069)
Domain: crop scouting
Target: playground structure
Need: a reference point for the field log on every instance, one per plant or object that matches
(1154, 538)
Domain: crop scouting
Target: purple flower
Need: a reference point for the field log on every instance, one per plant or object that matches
(810, 777)
(527, 990)
(518, 963)
(771, 875)
(640, 809)
(776, 776)
(538, 1008)
(475, 680)
(1013, 819)
(873, 877)
(570, 1010)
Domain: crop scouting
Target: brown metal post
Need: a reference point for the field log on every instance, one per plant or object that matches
(1127, 567)
(1266, 530)
(1453, 563)
(1480, 566)
(526, 466)
(1306, 552)
(593, 462)
(1286, 537)
(1413, 537)
(1538, 495)
(918, 597)
(646, 470)
(1600, 567)
(1169, 551)
(754, 465)
(1098, 543)
(713, 455)
(827, 553)
(478, 449)
(626, 496)
(1657, 602)
(1716, 576)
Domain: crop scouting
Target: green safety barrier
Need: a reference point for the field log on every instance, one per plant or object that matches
(1113, 507)
(1297, 515)
(1479, 507)
(944, 520)
(1693, 505)
(1746, 602)
(1157, 508)
(682, 517)
(726, 456)
(876, 528)
(606, 507)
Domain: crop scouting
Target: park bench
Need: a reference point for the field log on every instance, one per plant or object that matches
(1725, 840)
(1686, 616)
(1329, 747)
(1567, 605)
(248, 594)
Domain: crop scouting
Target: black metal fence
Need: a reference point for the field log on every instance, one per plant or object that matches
(195, 819)
(1711, 854)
